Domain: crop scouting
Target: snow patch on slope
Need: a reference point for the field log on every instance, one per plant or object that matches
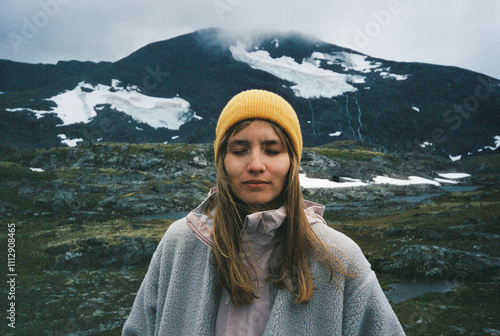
(69, 142)
(315, 183)
(310, 80)
(348, 61)
(496, 138)
(81, 103)
(386, 75)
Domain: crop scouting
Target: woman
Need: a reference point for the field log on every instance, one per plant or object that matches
(255, 258)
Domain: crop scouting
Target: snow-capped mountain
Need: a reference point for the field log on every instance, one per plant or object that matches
(174, 90)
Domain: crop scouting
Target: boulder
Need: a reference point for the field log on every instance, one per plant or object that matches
(434, 262)
(98, 252)
(199, 162)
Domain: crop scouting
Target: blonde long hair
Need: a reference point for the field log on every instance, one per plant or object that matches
(297, 240)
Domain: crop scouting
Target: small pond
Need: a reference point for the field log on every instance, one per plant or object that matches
(399, 292)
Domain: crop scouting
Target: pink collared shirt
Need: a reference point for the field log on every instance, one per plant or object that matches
(258, 244)
(259, 230)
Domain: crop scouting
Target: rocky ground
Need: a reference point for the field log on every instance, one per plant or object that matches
(89, 218)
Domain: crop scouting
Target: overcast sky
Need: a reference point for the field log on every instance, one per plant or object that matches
(464, 33)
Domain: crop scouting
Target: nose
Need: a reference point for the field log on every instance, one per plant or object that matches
(256, 163)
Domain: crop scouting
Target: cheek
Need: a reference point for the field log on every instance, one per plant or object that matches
(284, 168)
(230, 168)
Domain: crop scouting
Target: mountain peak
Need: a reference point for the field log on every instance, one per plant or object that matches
(339, 94)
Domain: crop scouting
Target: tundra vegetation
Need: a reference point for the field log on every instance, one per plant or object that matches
(88, 219)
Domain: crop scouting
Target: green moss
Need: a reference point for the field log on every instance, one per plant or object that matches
(467, 308)
(348, 145)
(353, 154)
(90, 201)
(167, 151)
(10, 171)
(10, 194)
(111, 231)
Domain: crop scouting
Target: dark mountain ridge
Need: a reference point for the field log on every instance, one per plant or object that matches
(399, 106)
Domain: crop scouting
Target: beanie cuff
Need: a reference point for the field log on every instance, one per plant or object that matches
(260, 104)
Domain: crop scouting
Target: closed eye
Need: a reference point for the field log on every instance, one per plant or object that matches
(273, 151)
(273, 147)
(238, 147)
(238, 151)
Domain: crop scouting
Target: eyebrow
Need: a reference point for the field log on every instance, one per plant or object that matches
(246, 142)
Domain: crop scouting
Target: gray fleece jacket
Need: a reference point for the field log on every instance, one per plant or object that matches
(178, 296)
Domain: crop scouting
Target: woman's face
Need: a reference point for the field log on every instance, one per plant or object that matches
(257, 164)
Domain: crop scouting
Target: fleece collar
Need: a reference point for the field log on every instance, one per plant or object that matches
(259, 225)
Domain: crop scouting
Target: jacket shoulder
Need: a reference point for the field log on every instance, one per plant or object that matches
(343, 247)
(178, 234)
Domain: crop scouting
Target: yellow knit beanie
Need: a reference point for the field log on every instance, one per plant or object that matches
(260, 104)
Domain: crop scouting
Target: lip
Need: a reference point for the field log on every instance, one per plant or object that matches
(255, 183)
